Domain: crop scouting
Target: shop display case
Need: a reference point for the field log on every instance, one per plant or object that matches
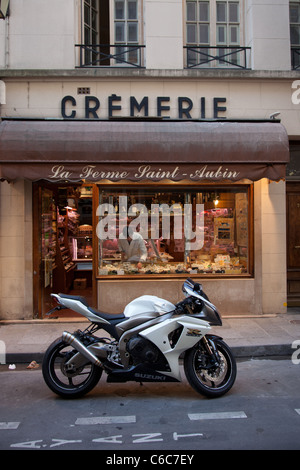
(82, 243)
(224, 222)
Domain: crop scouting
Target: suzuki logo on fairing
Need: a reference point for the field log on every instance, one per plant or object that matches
(149, 376)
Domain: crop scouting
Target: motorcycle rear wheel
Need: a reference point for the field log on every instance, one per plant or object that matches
(66, 382)
(215, 381)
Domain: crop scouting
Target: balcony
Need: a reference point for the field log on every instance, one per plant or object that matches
(111, 55)
(217, 57)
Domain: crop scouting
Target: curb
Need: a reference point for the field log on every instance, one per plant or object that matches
(240, 352)
(279, 350)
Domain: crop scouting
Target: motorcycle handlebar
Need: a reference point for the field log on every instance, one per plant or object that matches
(181, 306)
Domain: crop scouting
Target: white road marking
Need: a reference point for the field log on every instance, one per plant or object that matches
(106, 420)
(220, 415)
(297, 410)
(176, 436)
(10, 425)
(151, 437)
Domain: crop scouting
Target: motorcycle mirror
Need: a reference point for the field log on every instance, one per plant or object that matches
(197, 287)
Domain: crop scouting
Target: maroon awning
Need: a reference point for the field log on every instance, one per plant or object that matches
(142, 150)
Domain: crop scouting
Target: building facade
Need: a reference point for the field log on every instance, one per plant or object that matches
(107, 106)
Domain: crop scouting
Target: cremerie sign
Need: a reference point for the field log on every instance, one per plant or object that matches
(186, 107)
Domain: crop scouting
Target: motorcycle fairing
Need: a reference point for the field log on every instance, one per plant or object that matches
(193, 330)
(129, 333)
(148, 304)
(139, 373)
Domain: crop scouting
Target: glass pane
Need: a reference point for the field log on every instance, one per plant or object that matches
(221, 34)
(94, 37)
(132, 10)
(294, 13)
(234, 34)
(119, 10)
(191, 33)
(191, 11)
(120, 54)
(295, 57)
(133, 56)
(191, 58)
(94, 19)
(221, 53)
(204, 11)
(204, 56)
(234, 57)
(119, 32)
(234, 12)
(199, 231)
(132, 35)
(87, 35)
(295, 35)
(221, 12)
(204, 33)
(86, 14)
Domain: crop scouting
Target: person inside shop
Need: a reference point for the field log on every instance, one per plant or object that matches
(133, 246)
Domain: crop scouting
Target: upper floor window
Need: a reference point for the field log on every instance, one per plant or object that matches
(112, 33)
(126, 30)
(295, 33)
(213, 34)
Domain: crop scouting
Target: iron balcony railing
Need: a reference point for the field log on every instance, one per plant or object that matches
(111, 55)
(217, 57)
(295, 57)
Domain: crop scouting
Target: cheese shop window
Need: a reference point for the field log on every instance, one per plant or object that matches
(170, 231)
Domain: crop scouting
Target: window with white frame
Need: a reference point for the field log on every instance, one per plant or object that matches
(126, 30)
(90, 28)
(111, 32)
(213, 33)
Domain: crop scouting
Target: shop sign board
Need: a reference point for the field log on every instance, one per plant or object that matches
(145, 172)
(162, 105)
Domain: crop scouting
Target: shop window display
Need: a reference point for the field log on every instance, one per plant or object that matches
(142, 231)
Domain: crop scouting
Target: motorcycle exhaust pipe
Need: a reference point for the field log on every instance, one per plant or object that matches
(75, 343)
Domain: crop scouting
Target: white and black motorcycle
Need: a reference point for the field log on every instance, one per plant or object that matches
(145, 344)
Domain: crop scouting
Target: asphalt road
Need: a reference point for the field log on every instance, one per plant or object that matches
(262, 411)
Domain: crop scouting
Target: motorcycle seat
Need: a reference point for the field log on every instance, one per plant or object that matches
(75, 297)
(111, 317)
(115, 317)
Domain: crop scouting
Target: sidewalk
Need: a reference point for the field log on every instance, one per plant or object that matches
(255, 336)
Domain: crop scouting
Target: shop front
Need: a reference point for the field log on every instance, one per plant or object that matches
(200, 198)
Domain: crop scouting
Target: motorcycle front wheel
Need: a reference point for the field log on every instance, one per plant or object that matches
(64, 380)
(210, 381)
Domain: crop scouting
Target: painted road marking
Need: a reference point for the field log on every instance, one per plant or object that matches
(297, 410)
(106, 420)
(220, 415)
(10, 425)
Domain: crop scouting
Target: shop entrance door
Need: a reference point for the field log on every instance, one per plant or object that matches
(63, 245)
(293, 243)
(44, 238)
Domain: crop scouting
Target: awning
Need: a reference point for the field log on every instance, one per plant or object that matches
(142, 150)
